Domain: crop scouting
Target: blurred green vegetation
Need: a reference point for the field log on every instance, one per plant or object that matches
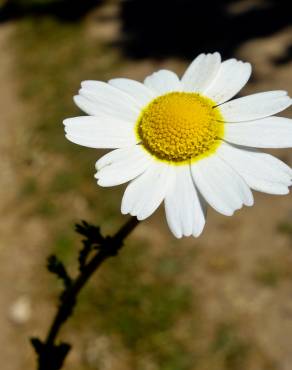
(29, 187)
(53, 64)
(285, 228)
(269, 273)
(65, 247)
(139, 299)
(53, 58)
(233, 349)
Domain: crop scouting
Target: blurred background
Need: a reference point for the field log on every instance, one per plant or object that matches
(220, 302)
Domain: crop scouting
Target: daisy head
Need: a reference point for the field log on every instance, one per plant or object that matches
(184, 142)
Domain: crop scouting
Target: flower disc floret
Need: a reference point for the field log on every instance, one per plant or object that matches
(180, 126)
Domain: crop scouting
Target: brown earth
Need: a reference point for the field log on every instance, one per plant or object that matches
(242, 269)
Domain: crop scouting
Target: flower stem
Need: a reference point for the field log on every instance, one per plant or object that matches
(50, 355)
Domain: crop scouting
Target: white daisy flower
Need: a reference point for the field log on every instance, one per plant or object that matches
(183, 142)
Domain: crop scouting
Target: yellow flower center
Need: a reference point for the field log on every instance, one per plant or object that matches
(180, 126)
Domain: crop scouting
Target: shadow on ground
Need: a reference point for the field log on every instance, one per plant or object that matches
(65, 10)
(173, 28)
(185, 28)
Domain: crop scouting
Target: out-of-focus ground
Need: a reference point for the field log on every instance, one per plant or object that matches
(220, 302)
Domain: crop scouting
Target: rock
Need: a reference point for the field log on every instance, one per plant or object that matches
(20, 311)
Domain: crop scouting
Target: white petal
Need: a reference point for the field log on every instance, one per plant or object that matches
(163, 81)
(231, 78)
(185, 211)
(122, 165)
(86, 105)
(271, 132)
(97, 132)
(96, 97)
(134, 88)
(220, 185)
(261, 171)
(144, 194)
(255, 106)
(201, 72)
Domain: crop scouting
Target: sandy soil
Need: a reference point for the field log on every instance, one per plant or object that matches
(21, 238)
(229, 253)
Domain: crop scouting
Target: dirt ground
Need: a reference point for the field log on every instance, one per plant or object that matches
(239, 272)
